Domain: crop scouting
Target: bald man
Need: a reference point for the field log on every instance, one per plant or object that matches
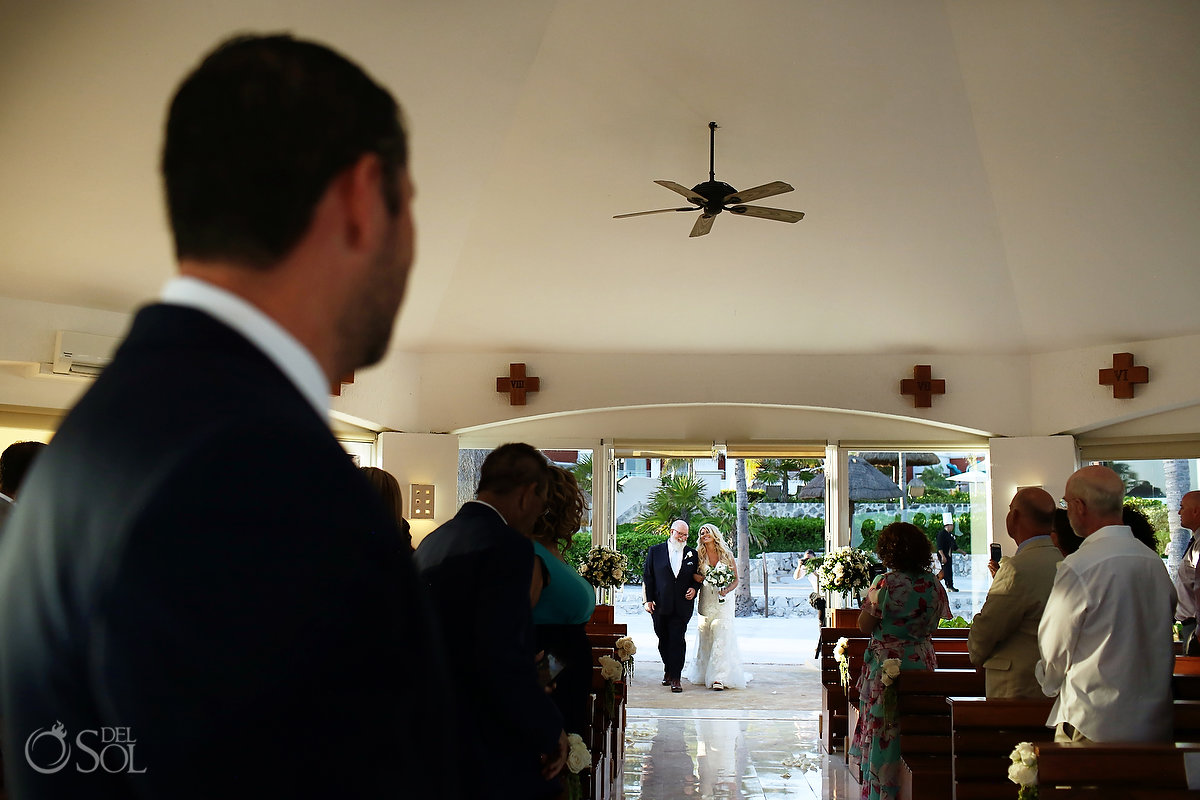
(1003, 636)
(1105, 636)
(1185, 575)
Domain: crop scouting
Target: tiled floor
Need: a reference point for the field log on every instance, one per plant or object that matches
(719, 753)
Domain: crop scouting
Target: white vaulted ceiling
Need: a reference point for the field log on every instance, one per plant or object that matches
(983, 176)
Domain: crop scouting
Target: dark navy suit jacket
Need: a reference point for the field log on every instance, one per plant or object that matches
(197, 567)
(665, 588)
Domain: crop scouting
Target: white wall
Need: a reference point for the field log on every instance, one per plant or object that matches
(1045, 461)
(424, 458)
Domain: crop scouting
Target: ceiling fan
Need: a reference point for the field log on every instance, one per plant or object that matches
(714, 196)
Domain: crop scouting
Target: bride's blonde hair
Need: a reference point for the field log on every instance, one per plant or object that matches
(723, 552)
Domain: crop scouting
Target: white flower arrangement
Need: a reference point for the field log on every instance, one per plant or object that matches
(625, 652)
(891, 669)
(845, 571)
(602, 567)
(839, 655)
(625, 648)
(1023, 770)
(579, 758)
(611, 669)
(719, 577)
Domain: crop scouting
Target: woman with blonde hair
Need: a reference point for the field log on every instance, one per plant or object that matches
(718, 662)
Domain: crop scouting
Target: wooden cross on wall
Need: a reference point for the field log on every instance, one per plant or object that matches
(1123, 376)
(922, 386)
(516, 384)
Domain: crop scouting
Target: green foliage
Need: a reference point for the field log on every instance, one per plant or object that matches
(940, 497)
(957, 622)
(677, 497)
(581, 543)
(583, 475)
(933, 478)
(633, 544)
(920, 520)
(962, 539)
(722, 512)
(870, 534)
(1156, 512)
(790, 535)
(754, 495)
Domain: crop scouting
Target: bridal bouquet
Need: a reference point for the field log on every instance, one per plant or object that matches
(845, 571)
(602, 567)
(719, 577)
(1023, 771)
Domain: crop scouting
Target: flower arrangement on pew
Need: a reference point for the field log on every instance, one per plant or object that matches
(611, 670)
(891, 671)
(1023, 770)
(845, 571)
(603, 568)
(843, 661)
(579, 758)
(625, 652)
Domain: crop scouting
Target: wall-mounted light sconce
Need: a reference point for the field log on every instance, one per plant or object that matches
(421, 505)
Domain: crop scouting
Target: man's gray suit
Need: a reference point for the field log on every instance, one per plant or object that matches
(1003, 637)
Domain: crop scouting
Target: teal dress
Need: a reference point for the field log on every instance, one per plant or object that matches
(559, 618)
(910, 605)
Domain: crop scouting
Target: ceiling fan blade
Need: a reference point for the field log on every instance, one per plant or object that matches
(703, 225)
(758, 192)
(762, 212)
(683, 190)
(659, 211)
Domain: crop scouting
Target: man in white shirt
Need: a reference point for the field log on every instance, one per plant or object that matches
(1185, 575)
(1105, 636)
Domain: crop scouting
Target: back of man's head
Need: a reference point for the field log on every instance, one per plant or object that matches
(1101, 492)
(15, 462)
(254, 136)
(511, 467)
(1036, 509)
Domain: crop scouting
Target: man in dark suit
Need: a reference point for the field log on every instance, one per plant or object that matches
(480, 571)
(202, 596)
(945, 550)
(669, 590)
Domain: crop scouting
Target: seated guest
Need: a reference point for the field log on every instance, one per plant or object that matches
(1105, 636)
(1061, 534)
(566, 602)
(478, 571)
(389, 492)
(1003, 636)
(1140, 526)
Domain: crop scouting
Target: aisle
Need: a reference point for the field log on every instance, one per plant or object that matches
(752, 755)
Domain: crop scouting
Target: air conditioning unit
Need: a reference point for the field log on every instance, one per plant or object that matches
(78, 353)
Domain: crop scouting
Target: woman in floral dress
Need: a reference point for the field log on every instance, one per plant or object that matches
(901, 613)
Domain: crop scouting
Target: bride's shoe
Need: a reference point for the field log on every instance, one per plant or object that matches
(718, 686)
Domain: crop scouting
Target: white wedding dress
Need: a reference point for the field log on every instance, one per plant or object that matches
(717, 658)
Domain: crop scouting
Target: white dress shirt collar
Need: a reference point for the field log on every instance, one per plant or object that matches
(492, 507)
(283, 349)
(675, 552)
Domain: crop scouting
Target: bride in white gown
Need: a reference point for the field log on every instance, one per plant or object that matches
(718, 662)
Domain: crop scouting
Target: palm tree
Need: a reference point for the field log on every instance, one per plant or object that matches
(771, 472)
(677, 497)
(744, 606)
(583, 474)
(723, 511)
(1178, 480)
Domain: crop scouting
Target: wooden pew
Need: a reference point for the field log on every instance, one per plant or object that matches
(924, 717)
(983, 735)
(1113, 770)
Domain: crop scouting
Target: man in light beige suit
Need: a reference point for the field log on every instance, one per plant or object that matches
(1004, 633)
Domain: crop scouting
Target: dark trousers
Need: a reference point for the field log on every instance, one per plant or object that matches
(671, 631)
(948, 571)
